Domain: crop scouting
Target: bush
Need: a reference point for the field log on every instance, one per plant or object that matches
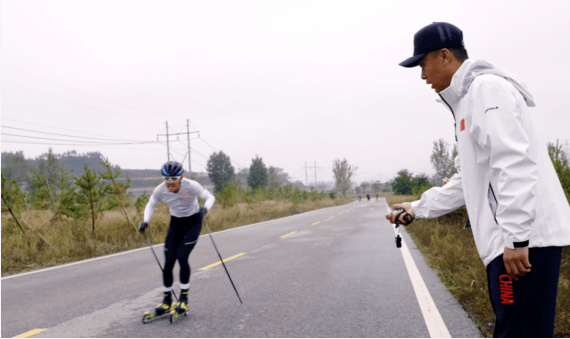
(141, 202)
(560, 161)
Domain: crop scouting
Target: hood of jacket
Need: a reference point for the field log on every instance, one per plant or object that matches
(469, 70)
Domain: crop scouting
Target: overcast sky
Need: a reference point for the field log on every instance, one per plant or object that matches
(290, 81)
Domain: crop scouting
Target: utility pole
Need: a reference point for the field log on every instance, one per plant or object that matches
(168, 142)
(315, 168)
(305, 175)
(188, 134)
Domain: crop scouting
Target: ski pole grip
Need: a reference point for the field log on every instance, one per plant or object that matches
(142, 226)
(407, 217)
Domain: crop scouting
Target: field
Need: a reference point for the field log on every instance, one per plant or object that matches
(450, 251)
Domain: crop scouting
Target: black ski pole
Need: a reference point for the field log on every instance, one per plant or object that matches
(212, 238)
(159, 265)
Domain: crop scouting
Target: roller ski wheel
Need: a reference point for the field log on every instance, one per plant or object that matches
(181, 308)
(160, 312)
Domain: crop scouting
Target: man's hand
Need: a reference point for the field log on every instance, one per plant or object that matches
(405, 206)
(445, 180)
(516, 262)
(142, 226)
(203, 212)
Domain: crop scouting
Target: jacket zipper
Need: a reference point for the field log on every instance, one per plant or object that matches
(455, 121)
(496, 203)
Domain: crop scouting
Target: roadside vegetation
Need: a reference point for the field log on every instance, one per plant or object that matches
(65, 218)
(68, 240)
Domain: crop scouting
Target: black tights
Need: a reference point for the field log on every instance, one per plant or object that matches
(180, 241)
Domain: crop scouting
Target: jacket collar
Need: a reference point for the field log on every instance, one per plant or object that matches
(454, 92)
(469, 70)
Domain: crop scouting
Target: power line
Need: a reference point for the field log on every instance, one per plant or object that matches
(204, 141)
(184, 155)
(71, 89)
(77, 103)
(200, 154)
(63, 129)
(64, 135)
(86, 142)
(88, 145)
(211, 137)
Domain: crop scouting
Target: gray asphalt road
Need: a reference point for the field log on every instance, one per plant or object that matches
(340, 277)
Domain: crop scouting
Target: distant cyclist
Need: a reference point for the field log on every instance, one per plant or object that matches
(359, 198)
(181, 195)
(368, 197)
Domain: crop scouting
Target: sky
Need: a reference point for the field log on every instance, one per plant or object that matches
(297, 83)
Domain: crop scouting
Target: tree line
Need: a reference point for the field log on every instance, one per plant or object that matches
(53, 186)
(263, 183)
(260, 177)
(17, 167)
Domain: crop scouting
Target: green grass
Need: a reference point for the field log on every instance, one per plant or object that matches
(71, 240)
(450, 250)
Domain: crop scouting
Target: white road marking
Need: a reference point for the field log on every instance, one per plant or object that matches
(434, 321)
(77, 262)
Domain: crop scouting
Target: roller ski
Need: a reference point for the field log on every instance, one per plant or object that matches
(161, 311)
(180, 308)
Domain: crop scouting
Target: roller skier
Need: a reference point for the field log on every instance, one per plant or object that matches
(180, 194)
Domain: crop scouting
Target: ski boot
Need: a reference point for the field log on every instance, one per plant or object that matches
(181, 307)
(160, 311)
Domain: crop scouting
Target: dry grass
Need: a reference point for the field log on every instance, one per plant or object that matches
(450, 250)
(72, 240)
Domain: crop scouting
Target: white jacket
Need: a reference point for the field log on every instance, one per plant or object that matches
(181, 204)
(505, 176)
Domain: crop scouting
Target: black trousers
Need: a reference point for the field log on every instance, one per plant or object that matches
(526, 308)
(180, 240)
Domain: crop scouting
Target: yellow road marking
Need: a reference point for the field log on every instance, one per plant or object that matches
(340, 213)
(31, 333)
(316, 223)
(219, 262)
(286, 235)
(331, 217)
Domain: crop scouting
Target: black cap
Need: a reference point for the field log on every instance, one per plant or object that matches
(434, 37)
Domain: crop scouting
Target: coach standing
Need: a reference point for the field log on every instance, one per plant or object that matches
(519, 214)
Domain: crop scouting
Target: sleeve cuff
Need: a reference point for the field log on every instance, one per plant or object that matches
(416, 209)
(516, 244)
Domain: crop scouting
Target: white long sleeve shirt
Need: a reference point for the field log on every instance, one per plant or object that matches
(505, 176)
(182, 203)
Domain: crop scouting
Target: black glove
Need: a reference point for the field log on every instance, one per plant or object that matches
(203, 212)
(142, 226)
